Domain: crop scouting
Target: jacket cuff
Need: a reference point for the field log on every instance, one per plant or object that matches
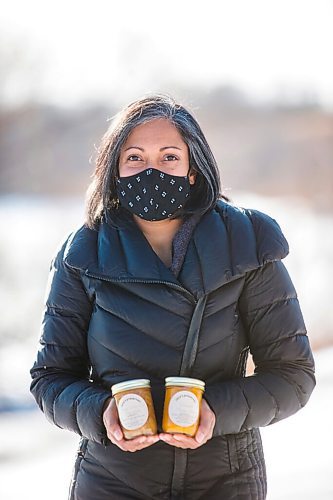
(85, 415)
(230, 413)
(90, 415)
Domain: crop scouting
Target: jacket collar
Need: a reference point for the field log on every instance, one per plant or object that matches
(222, 247)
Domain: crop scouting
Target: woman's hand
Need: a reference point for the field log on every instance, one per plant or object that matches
(114, 432)
(204, 432)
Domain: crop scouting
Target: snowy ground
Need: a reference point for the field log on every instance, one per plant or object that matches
(36, 458)
(299, 449)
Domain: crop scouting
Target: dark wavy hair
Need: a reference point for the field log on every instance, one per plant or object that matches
(102, 194)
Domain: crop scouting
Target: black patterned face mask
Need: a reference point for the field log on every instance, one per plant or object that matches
(152, 194)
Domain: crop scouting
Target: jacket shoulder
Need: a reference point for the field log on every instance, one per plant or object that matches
(252, 227)
(80, 247)
(271, 242)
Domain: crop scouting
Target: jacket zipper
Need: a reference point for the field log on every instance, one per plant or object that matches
(137, 280)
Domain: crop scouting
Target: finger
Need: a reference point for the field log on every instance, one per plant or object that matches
(179, 440)
(204, 432)
(182, 438)
(114, 432)
(148, 441)
(207, 414)
(136, 444)
(119, 444)
(206, 426)
(201, 437)
(111, 421)
(184, 446)
(129, 446)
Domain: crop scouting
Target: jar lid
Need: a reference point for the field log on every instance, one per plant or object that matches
(130, 384)
(185, 381)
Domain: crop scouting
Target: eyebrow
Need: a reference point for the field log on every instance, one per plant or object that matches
(161, 149)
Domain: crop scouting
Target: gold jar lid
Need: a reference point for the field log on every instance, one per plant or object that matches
(185, 382)
(130, 384)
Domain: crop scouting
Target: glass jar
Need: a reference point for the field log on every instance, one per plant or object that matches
(135, 408)
(182, 403)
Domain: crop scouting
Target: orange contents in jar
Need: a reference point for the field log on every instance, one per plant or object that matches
(181, 413)
(135, 408)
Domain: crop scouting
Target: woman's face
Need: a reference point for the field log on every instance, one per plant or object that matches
(156, 144)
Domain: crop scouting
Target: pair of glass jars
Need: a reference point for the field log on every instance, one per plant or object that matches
(181, 411)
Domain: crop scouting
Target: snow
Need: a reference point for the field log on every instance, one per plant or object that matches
(36, 457)
(298, 450)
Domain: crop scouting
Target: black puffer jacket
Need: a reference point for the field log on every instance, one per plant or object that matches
(116, 312)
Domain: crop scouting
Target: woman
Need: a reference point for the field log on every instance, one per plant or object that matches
(161, 250)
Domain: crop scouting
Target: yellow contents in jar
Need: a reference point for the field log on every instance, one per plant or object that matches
(182, 403)
(135, 408)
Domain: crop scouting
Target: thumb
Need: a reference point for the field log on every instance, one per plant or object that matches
(201, 434)
(111, 422)
(117, 433)
(207, 420)
(114, 431)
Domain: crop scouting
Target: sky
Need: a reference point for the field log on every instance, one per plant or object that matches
(74, 51)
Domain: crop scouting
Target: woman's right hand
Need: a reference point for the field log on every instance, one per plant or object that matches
(114, 432)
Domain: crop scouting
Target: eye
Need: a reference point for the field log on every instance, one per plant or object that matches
(170, 158)
(134, 158)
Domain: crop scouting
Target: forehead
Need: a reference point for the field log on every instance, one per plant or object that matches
(155, 131)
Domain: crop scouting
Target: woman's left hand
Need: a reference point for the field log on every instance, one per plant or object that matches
(204, 432)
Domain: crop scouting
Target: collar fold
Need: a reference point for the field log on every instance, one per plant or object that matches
(226, 243)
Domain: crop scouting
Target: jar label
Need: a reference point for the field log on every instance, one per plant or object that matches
(133, 411)
(184, 408)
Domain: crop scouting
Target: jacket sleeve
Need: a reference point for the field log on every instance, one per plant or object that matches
(284, 366)
(60, 374)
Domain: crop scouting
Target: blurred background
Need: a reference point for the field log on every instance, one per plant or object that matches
(257, 77)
